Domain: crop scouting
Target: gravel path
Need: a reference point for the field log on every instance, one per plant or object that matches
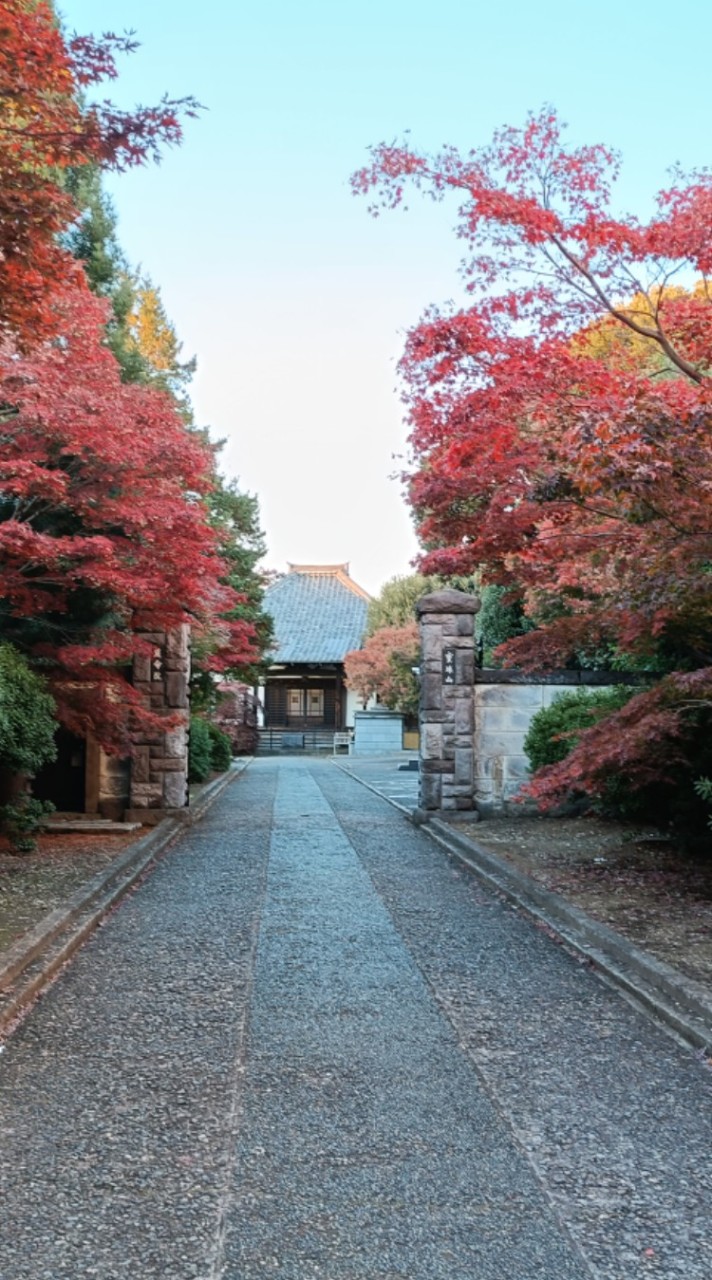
(309, 1047)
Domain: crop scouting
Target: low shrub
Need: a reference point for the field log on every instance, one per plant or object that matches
(220, 749)
(646, 760)
(555, 730)
(27, 741)
(21, 820)
(199, 750)
(27, 720)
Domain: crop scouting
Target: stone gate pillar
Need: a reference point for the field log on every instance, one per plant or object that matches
(159, 768)
(447, 669)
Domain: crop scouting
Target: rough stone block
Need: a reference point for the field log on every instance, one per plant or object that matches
(178, 642)
(463, 765)
(179, 665)
(175, 790)
(429, 791)
(498, 742)
(464, 717)
(141, 670)
(431, 742)
(176, 689)
(145, 789)
(139, 768)
(517, 769)
(431, 644)
(465, 666)
(490, 768)
(177, 742)
(435, 766)
(431, 692)
(509, 695)
(510, 719)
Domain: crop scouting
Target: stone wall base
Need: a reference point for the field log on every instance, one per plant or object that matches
(151, 817)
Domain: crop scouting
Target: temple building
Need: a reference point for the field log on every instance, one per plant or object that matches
(319, 615)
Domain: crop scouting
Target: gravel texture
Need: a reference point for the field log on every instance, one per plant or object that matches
(638, 881)
(614, 1116)
(309, 1047)
(118, 1095)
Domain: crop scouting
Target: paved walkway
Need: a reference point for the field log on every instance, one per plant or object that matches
(309, 1047)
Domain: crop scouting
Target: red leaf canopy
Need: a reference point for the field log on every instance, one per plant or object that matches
(103, 530)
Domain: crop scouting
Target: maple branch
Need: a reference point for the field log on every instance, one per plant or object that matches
(657, 335)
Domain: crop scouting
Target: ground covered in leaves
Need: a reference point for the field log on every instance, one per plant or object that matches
(635, 880)
(32, 884)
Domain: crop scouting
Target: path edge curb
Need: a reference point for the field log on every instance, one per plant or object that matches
(33, 960)
(654, 986)
(658, 989)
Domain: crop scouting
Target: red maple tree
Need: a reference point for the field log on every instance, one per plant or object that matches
(103, 528)
(384, 666)
(47, 126)
(579, 474)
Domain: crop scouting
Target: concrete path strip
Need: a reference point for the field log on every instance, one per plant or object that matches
(681, 1005)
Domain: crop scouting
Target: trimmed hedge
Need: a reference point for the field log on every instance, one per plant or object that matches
(209, 751)
(199, 750)
(220, 749)
(555, 730)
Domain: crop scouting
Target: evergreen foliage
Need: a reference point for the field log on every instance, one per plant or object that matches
(394, 606)
(27, 729)
(27, 721)
(555, 730)
(220, 749)
(199, 750)
(501, 617)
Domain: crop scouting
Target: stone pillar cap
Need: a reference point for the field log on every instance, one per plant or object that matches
(447, 601)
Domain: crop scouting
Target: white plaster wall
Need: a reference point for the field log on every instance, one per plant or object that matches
(503, 713)
(377, 733)
(354, 704)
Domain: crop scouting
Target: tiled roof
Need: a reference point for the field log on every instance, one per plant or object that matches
(319, 613)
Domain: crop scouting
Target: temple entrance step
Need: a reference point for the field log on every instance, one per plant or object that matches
(288, 741)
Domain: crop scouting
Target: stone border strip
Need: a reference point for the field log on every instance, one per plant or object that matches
(30, 963)
(682, 1006)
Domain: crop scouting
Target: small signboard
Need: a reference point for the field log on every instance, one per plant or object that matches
(448, 666)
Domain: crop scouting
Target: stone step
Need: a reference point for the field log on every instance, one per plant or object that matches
(89, 826)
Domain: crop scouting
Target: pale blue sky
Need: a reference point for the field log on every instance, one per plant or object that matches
(293, 299)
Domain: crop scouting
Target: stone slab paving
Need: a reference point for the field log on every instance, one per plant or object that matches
(309, 1047)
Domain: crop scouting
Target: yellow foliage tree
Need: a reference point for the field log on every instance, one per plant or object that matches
(618, 346)
(156, 341)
